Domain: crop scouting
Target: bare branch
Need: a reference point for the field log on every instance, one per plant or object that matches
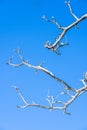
(53, 20)
(41, 68)
(68, 3)
(55, 44)
(53, 104)
(20, 94)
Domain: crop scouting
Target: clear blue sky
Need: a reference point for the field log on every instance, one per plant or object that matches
(21, 26)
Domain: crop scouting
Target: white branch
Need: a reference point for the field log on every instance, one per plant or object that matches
(68, 3)
(51, 100)
(55, 46)
(20, 94)
(53, 104)
(53, 20)
(41, 68)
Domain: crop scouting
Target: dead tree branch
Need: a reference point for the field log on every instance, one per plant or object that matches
(56, 45)
(39, 67)
(53, 103)
(68, 3)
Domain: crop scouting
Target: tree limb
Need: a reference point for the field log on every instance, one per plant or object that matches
(39, 67)
(53, 104)
(72, 93)
(55, 46)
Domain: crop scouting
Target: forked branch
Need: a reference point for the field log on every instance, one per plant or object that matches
(53, 103)
(56, 45)
(39, 67)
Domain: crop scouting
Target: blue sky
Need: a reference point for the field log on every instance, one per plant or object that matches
(21, 26)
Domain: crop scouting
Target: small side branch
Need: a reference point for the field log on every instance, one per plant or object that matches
(20, 94)
(68, 3)
(53, 20)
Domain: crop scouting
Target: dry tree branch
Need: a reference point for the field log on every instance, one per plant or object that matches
(72, 93)
(55, 46)
(53, 103)
(39, 67)
(53, 20)
(68, 3)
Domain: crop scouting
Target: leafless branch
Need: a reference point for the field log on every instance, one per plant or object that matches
(53, 104)
(41, 68)
(68, 3)
(20, 94)
(55, 46)
(53, 20)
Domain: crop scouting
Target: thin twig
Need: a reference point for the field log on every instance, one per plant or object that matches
(68, 3)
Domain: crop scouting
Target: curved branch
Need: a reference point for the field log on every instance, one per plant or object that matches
(68, 3)
(41, 68)
(54, 46)
(53, 104)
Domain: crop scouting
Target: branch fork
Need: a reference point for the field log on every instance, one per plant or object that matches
(55, 46)
(53, 103)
